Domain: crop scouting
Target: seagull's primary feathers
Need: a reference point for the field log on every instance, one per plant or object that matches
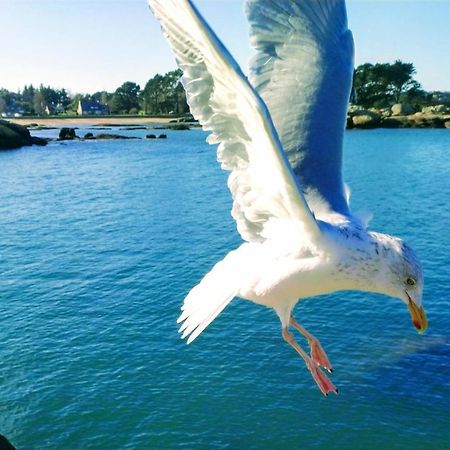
(280, 134)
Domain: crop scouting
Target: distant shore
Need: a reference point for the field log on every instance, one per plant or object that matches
(71, 121)
(357, 118)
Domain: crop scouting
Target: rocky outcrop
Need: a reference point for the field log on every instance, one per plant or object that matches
(421, 120)
(67, 134)
(430, 117)
(366, 121)
(402, 109)
(113, 136)
(363, 118)
(153, 136)
(436, 109)
(14, 136)
(174, 127)
(396, 122)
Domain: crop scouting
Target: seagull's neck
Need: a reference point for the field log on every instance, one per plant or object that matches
(364, 262)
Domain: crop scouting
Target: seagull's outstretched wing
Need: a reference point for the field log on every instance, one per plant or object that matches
(267, 198)
(303, 69)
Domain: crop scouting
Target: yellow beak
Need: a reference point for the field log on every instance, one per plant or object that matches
(418, 316)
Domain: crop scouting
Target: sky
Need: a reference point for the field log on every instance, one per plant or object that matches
(92, 45)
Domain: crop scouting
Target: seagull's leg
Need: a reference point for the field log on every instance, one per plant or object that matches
(325, 385)
(317, 353)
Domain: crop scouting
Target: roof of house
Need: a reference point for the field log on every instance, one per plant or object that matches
(92, 105)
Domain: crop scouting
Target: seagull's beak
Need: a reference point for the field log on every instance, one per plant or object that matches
(418, 316)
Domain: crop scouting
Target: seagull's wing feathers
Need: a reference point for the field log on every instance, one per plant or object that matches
(303, 69)
(266, 194)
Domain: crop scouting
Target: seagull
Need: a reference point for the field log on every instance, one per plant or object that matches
(280, 135)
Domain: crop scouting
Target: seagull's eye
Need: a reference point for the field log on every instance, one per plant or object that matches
(410, 281)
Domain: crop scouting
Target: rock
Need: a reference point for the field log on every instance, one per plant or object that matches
(447, 124)
(349, 124)
(402, 109)
(150, 136)
(442, 109)
(113, 136)
(14, 136)
(89, 136)
(386, 112)
(179, 127)
(437, 109)
(354, 109)
(10, 139)
(366, 121)
(38, 141)
(162, 136)
(395, 122)
(67, 134)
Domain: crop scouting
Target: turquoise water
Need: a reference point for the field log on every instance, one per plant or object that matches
(101, 241)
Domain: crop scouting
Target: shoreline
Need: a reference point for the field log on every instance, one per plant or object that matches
(359, 120)
(102, 120)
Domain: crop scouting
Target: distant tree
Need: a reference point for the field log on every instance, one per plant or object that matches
(4, 100)
(164, 94)
(38, 103)
(175, 94)
(49, 95)
(102, 97)
(2, 105)
(153, 95)
(125, 98)
(384, 84)
(63, 99)
(181, 106)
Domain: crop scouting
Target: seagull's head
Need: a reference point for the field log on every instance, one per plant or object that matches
(405, 278)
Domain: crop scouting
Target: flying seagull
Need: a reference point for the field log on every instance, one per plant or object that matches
(280, 135)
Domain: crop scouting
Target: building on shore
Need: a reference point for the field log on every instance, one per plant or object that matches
(52, 109)
(13, 110)
(91, 108)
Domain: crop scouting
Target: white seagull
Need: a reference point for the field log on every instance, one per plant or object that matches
(280, 134)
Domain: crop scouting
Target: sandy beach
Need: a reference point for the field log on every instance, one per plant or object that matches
(56, 122)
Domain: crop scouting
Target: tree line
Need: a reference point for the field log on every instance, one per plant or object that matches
(374, 85)
(162, 94)
(382, 85)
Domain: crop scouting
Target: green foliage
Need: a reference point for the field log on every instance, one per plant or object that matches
(164, 94)
(374, 85)
(125, 98)
(381, 85)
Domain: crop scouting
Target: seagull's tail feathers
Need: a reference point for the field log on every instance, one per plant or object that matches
(210, 297)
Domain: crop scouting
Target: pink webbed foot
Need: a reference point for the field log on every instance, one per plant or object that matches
(317, 353)
(324, 383)
(319, 356)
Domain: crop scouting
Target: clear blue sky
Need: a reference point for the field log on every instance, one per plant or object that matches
(91, 45)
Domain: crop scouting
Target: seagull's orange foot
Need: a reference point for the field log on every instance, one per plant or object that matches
(324, 383)
(319, 356)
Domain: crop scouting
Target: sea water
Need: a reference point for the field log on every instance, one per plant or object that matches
(100, 242)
